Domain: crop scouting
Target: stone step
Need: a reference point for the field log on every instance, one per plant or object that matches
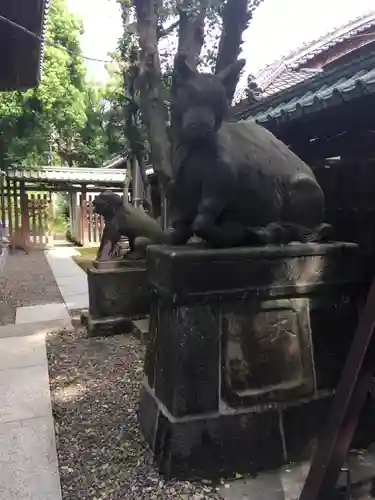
(140, 329)
(27, 329)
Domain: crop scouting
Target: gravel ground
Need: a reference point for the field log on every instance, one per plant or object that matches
(95, 386)
(27, 280)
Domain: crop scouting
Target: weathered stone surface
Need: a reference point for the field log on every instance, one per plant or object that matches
(212, 444)
(240, 343)
(190, 273)
(266, 353)
(116, 296)
(187, 347)
(301, 423)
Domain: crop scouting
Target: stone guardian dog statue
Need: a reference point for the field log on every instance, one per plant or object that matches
(125, 220)
(235, 183)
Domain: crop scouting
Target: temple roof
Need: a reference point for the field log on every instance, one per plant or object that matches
(287, 78)
(67, 175)
(325, 90)
(289, 71)
(22, 54)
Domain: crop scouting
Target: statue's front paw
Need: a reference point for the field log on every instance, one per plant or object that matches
(200, 226)
(178, 236)
(257, 236)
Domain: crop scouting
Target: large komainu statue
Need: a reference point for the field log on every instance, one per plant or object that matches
(125, 220)
(235, 183)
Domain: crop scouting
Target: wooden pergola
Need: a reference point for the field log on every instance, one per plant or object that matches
(26, 200)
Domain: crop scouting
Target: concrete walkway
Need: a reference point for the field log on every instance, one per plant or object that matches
(28, 459)
(70, 278)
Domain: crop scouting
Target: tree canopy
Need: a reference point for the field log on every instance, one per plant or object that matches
(62, 120)
(208, 33)
(68, 119)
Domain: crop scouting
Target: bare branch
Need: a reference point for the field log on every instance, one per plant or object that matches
(162, 32)
(236, 16)
(235, 19)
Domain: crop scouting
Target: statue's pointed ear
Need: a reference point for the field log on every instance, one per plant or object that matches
(182, 68)
(230, 75)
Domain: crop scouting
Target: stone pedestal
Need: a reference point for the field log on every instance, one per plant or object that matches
(246, 346)
(118, 293)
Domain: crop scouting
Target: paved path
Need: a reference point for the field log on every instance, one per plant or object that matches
(70, 278)
(28, 459)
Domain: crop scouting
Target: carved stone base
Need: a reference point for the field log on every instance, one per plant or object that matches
(246, 346)
(118, 293)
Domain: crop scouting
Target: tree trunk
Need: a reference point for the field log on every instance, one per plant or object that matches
(190, 43)
(236, 16)
(153, 107)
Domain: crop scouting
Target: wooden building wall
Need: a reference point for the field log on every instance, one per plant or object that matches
(349, 189)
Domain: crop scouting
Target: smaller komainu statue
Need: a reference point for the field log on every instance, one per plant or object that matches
(125, 220)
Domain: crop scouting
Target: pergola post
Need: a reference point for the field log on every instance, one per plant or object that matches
(77, 182)
(72, 214)
(25, 224)
(50, 219)
(84, 227)
(137, 188)
(2, 199)
(9, 206)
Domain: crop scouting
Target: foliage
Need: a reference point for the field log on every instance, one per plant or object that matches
(208, 32)
(113, 110)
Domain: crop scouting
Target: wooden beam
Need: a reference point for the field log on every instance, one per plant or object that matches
(354, 386)
(68, 189)
(361, 145)
(349, 116)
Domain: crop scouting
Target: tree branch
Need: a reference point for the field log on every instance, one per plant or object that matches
(162, 32)
(191, 36)
(236, 16)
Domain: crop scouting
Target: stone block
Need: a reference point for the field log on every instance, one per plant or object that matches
(45, 312)
(117, 294)
(76, 301)
(44, 327)
(29, 468)
(238, 337)
(21, 352)
(213, 444)
(25, 393)
(140, 329)
(301, 423)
